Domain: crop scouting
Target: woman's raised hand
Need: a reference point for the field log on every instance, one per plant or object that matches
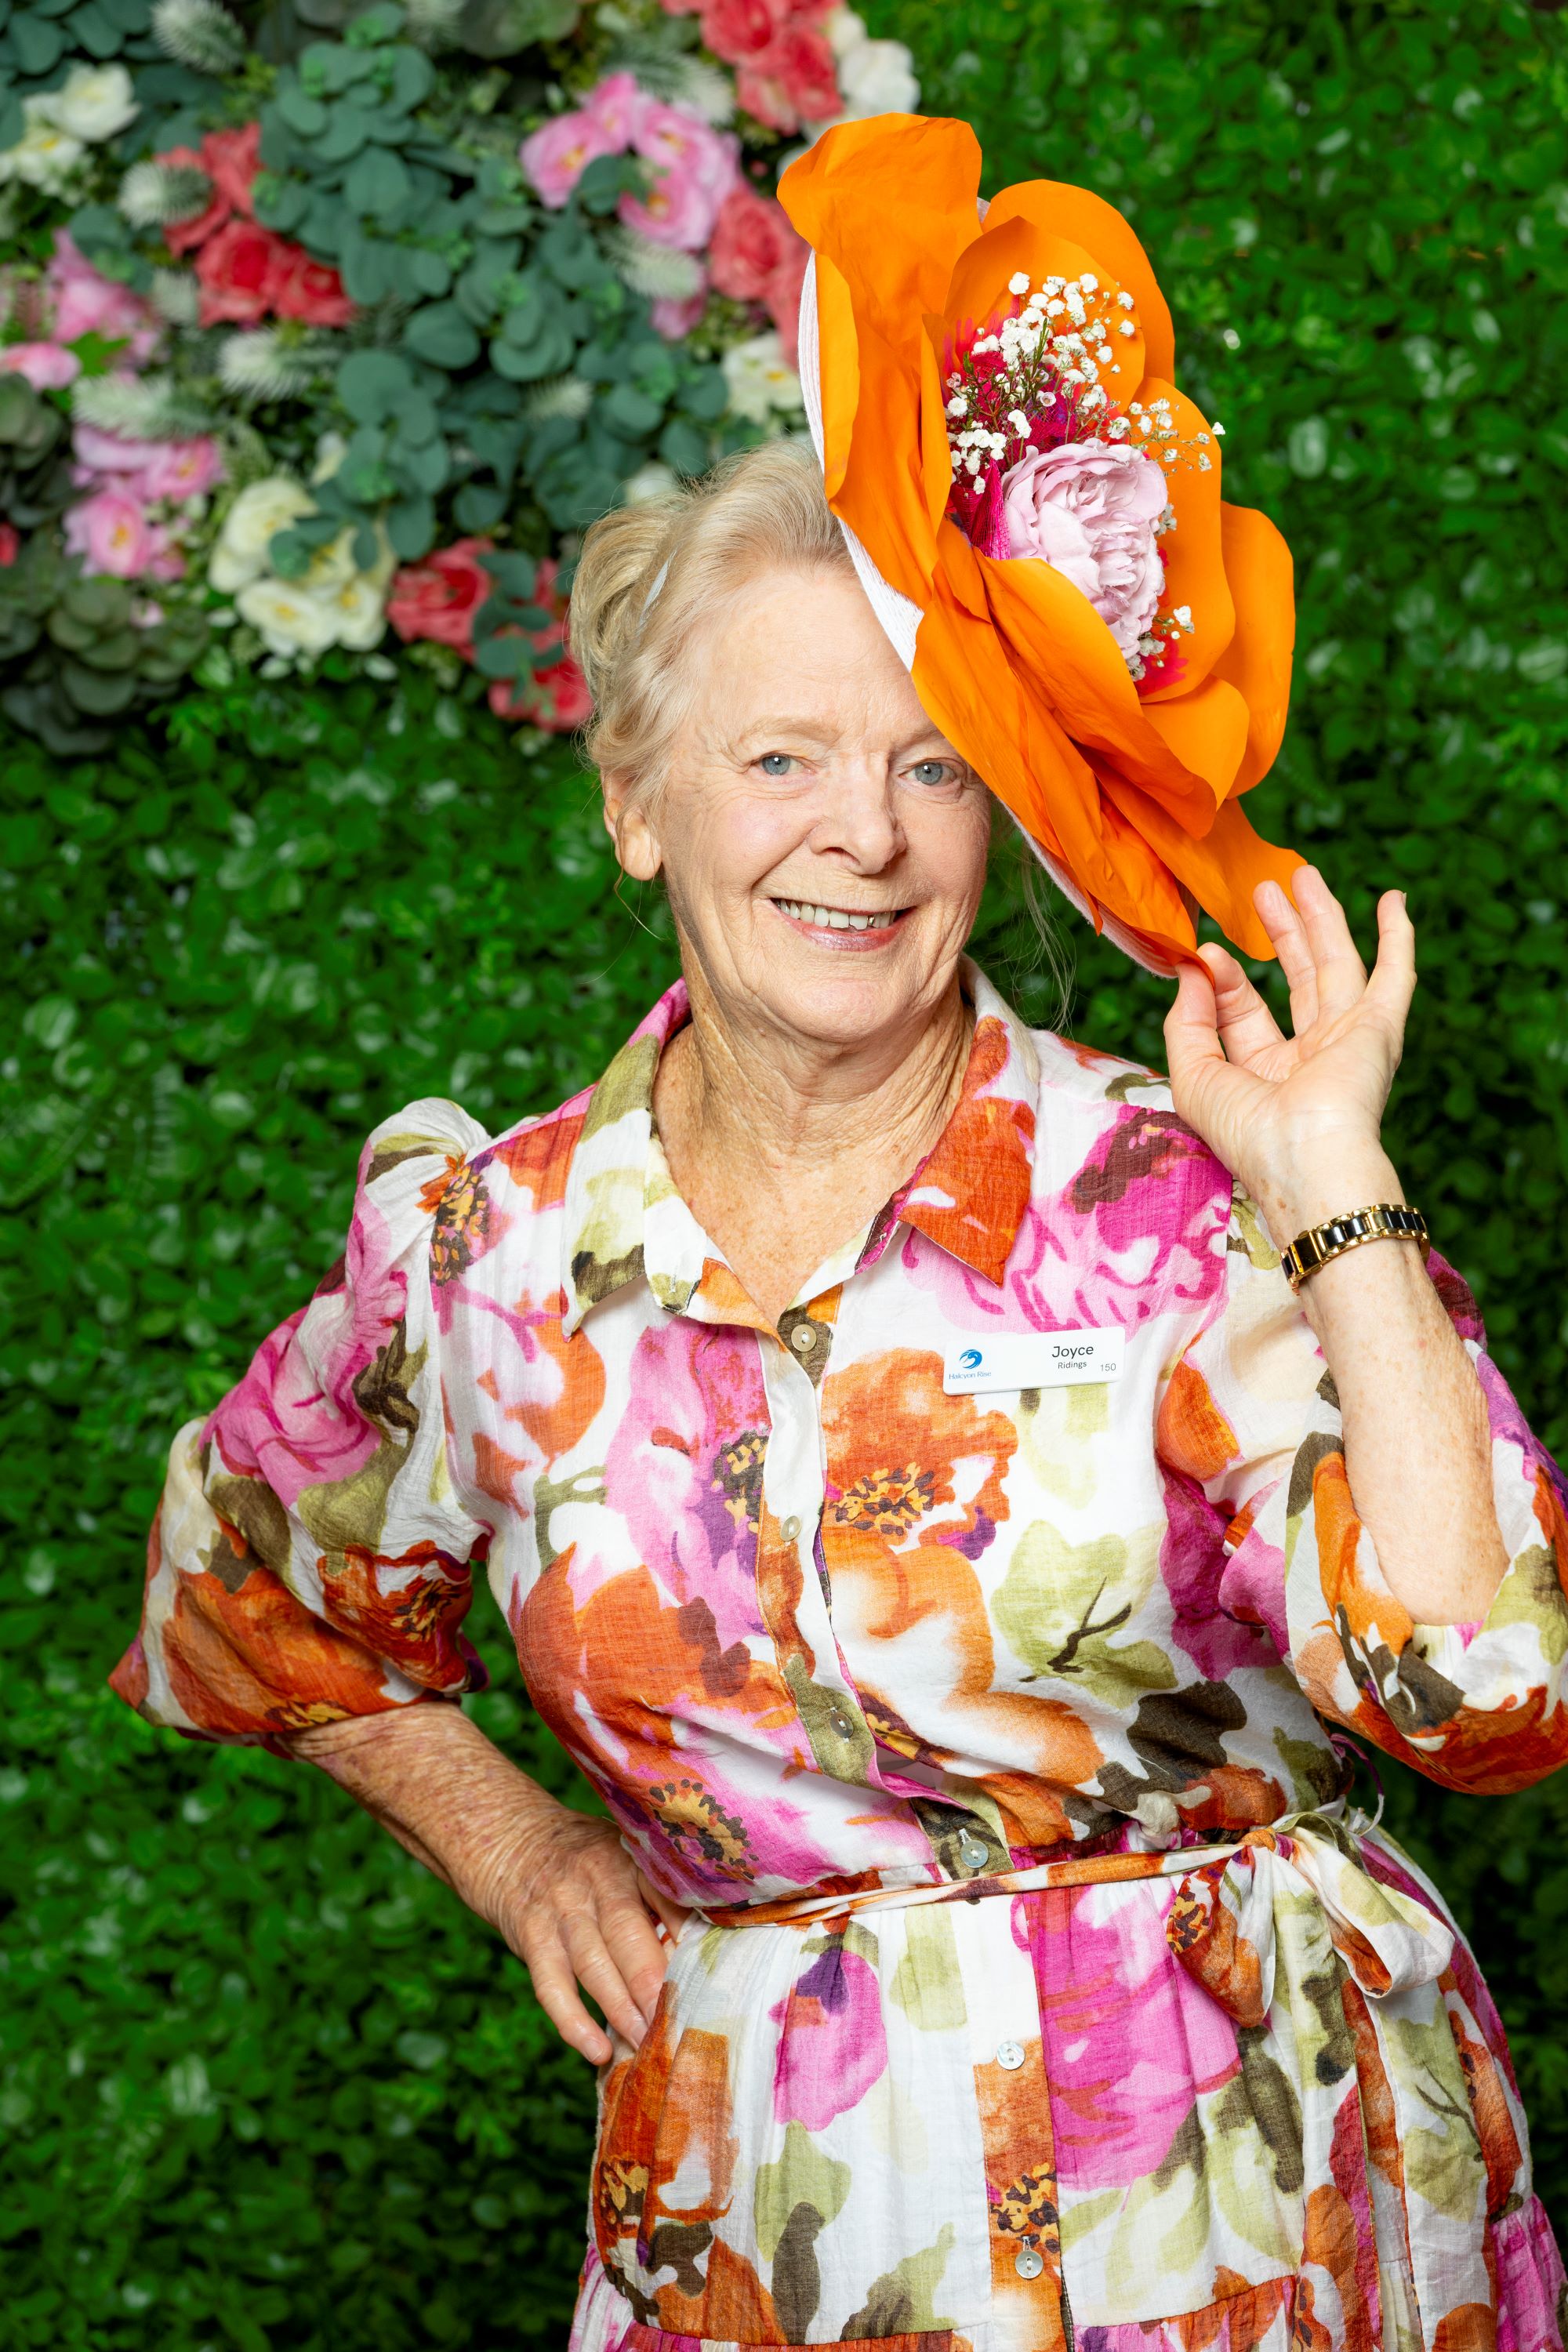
(1297, 1120)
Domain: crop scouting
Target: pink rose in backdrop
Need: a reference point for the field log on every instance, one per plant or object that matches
(84, 302)
(10, 545)
(617, 106)
(111, 534)
(674, 316)
(46, 367)
(556, 155)
(695, 168)
(1088, 509)
(146, 470)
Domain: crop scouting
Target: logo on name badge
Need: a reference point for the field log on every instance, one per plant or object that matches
(1034, 1360)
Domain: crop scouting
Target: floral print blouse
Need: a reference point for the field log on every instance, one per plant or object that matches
(1039, 1987)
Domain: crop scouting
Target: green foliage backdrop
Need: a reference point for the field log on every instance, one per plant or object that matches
(261, 2081)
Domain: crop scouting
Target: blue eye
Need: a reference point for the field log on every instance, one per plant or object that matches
(930, 771)
(775, 764)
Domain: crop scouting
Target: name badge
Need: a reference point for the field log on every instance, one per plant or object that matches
(1033, 1360)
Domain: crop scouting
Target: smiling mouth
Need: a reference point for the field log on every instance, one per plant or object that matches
(839, 919)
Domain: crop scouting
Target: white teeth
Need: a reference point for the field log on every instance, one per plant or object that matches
(833, 919)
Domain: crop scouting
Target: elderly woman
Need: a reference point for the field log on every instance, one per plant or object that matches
(928, 1506)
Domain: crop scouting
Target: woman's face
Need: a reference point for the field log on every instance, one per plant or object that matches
(823, 845)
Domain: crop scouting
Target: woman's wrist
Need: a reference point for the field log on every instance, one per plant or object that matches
(1314, 1186)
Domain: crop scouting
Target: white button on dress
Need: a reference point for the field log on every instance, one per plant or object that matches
(1009, 2054)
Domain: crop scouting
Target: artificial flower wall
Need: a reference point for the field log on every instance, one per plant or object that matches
(326, 330)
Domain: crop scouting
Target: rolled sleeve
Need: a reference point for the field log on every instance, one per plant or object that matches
(1479, 1707)
(310, 1560)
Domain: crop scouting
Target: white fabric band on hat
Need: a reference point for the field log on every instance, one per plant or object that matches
(900, 618)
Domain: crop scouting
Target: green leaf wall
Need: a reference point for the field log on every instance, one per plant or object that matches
(262, 2083)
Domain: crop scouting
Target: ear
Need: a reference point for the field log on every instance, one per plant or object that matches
(627, 822)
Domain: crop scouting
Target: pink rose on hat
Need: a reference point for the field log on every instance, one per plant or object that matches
(1089, 508)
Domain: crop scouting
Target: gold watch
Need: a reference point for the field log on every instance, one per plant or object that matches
(1387, 1221)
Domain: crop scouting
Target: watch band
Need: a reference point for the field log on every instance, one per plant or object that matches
(1387, 1221)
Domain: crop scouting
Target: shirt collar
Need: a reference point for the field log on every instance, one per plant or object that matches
(624, 1221)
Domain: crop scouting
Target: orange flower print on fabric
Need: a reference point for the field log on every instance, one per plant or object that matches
(406, 1606)
(1122, 743)
(970, 1195)
(248, 1660)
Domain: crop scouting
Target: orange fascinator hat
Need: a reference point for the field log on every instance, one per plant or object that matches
(1035, 510)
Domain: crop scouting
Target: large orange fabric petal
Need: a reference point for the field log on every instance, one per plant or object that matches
(1127, 787)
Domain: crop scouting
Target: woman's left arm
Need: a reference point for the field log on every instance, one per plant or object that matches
(1298, 1121)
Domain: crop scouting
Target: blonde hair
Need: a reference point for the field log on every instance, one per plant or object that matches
(652, 576)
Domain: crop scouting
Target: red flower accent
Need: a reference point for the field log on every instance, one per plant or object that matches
(303, 288)
(231, 160)
(757, 257)
(556, 698)
(10, 545)
(245, 271)
(437, 599)
(741, 30)
(236, 270)
(791, 81)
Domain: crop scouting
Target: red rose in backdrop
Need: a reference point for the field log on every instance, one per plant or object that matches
(786, 74)
(437, 599)
(757, 256)
(794, 80)
(245, 272)
(231, 160)
(556, 698)
(301, 287)
(234, 270)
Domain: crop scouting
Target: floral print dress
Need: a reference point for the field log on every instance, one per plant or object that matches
(1039, 1987)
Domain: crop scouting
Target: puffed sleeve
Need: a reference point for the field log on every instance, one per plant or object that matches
(1251, 1412)
(310, 1559)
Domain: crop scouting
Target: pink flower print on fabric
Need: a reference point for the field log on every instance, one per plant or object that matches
(1192, 1567)
(293, 1420)
(832, 2044)
(1130, 2039)
(1088, 509)
(685, 1468)
(1138, 1230)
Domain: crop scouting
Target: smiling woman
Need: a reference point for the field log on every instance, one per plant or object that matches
(942, 1483)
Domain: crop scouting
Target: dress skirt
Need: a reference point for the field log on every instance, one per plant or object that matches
(1253, 2099)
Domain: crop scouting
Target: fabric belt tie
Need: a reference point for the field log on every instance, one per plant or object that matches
(1221, 1922)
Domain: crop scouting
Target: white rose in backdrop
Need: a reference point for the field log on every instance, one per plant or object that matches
(760, 380)
(261, 509)
(94, 102)
(45, 155)
(878, 78)
(291, 621)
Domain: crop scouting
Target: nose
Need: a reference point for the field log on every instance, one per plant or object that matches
(859, 820)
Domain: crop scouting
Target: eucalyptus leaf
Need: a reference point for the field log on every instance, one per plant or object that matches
(372, 383)
(442, 335)
(411, 526)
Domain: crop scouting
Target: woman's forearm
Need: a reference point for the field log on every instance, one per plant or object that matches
(1417, 1437)
(445, 1791)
